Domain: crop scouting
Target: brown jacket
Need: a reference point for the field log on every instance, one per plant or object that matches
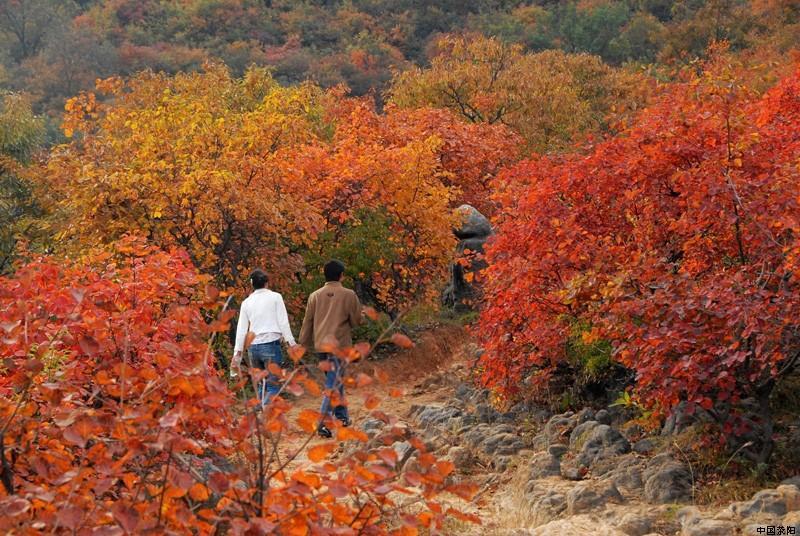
(332, 313)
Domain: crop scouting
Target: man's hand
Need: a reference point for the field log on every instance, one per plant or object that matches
(236, 363)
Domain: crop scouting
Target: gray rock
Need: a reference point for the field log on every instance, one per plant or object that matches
(560, 426)
(793, 481)
(603, 417)
(769, 503)
(431, 416)
(679, 420)
(666, 481)
(403, 450)
(644, 446)
(473, 232)
(502, 444)
(544, 465)
(635, 524)
(592, 495)
(473, 223)
(628, 473)
(501, 463)
(372, 426)
(708, 527)
(462, 457)
(585, 415)
(572, 472)
(558, 450)
(550, 504)
(597, 442)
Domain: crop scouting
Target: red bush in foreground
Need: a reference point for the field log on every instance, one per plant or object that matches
(112, 421)
(676, 242)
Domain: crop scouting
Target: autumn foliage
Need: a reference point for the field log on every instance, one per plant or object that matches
(244, 172)
(112, 420)
(675, 243)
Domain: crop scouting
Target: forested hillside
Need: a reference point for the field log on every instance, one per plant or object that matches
(546, 252)
(52, 49)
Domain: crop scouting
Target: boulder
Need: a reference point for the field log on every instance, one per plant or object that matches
(666, 481)
(372, 426)
(603, 417)
(502, 444)
(472, 235)
(429, 416)
(548, 505)
(462, 457)
(592, 496)
(628, 473)
(769, 503)
(644, 446)
(560, 426)
(583, 524)
(793, 481)
(558, 450)
(543, 465)
(635, 524)
(595, 441)
(709, 527)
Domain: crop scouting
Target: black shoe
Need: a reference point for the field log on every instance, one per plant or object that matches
(323, 431)
(345, 422)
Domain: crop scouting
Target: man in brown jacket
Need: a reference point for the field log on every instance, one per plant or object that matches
(331, 314)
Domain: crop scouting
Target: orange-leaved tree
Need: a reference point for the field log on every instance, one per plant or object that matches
(672, 248)
(112, 420)
(243, 172)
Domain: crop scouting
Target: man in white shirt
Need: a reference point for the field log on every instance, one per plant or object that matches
(263, 313)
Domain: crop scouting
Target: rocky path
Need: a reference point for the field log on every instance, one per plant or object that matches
(542, 474)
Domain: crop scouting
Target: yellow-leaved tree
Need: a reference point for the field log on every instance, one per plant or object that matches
(548, 97)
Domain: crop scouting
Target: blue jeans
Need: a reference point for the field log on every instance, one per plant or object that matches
(334, 381)
(262, 355)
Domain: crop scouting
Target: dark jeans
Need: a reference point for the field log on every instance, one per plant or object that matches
(262, 355)
(334, 381)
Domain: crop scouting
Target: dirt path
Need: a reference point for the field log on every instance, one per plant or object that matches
(434, 355)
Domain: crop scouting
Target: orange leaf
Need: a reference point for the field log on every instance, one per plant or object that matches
(198, 492)
(371, 313)
(382, 376)
(402, 341)
(345, 434)
(363, 380)
(371, 401)
(320, 452)
(310, 480)
(308, 420)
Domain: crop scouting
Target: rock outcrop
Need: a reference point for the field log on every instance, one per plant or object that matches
(472, 235)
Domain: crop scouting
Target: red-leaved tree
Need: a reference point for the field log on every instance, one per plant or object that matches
(676, 243)
(112, 421)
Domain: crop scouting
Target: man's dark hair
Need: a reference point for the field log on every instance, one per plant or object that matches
(259, 279)
(333, 270)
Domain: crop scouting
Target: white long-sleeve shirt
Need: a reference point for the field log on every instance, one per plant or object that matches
(264, 313)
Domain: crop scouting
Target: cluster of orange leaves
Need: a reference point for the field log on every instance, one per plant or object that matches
(112, 421)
